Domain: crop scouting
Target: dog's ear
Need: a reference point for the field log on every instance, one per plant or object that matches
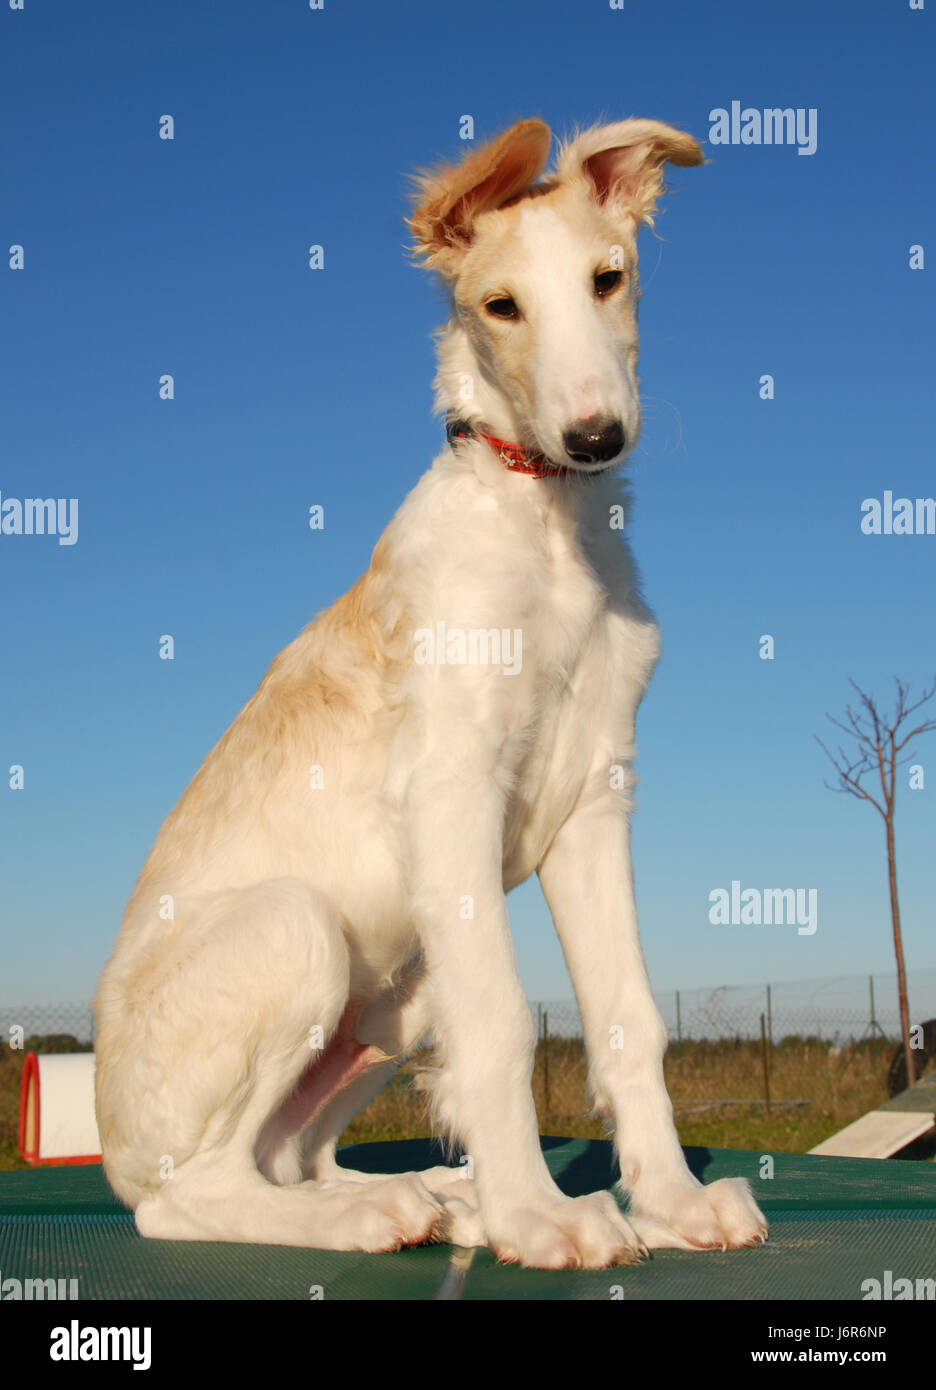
(450, 197)
(624, 162)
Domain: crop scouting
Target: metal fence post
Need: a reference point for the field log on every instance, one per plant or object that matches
(546, 1099)
(763, 1034)
(678, 1027)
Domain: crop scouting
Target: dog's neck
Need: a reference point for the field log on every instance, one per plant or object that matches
(464, 391)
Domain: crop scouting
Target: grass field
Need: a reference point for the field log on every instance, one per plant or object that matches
(838, 1086)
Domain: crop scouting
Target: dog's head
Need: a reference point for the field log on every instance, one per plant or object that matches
(544, 275)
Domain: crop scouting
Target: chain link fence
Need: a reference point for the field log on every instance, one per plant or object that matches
(838, 1010)
(74, 1021)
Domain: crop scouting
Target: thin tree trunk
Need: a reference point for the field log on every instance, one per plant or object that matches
(898, 951)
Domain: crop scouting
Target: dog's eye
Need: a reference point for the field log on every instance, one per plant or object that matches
(503, 308)
(607, 281)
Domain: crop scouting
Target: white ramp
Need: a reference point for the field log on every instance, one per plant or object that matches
(878, 1134)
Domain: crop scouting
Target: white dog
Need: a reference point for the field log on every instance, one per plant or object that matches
(330, 889)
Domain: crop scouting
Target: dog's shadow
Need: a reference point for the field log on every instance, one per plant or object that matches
(594, 1167)
(591, 1167)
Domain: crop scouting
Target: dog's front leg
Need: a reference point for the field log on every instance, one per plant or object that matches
(480, 1019)
(588, 883)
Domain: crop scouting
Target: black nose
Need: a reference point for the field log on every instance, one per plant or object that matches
(594, 440)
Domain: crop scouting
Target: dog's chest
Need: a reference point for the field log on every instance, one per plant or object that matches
(571, 701)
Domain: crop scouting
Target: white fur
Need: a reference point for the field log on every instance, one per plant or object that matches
(372, 907)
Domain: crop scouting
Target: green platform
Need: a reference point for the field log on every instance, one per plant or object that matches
(918, 1098)
(834, 1222)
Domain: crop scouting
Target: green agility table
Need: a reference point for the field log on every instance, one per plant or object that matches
(834, 1223)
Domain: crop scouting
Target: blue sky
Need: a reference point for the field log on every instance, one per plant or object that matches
(295, 387)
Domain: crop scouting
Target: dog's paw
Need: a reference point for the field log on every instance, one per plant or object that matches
(677, 1215)
(568, 1233)
(444, 1183)
(461, 1224)
(388, 1214)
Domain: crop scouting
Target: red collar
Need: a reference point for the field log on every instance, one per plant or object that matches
(512, 456)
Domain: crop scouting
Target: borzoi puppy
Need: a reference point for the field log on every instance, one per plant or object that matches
(330, 889)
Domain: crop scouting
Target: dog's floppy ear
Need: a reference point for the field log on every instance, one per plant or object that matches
(624, 163)
(450, 197)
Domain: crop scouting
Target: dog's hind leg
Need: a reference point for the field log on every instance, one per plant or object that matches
(450, 1186)
(203, 1038)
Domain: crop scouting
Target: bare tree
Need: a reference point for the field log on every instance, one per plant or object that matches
(881, 740)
